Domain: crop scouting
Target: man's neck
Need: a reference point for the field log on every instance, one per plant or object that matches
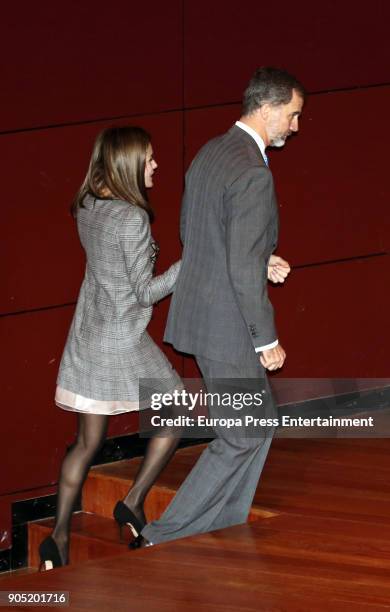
(254, 124)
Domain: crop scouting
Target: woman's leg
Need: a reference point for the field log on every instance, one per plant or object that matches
(158, 452)
(91, 433)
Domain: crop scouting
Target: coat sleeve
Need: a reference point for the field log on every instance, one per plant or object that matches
(249, 206)
(183, 217)
(134, 239)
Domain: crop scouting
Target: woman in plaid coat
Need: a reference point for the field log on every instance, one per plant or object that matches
(108, 350)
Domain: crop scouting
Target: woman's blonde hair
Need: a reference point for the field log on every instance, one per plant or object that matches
(117, 164)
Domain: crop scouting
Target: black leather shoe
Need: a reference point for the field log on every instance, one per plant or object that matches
(124, 516)
(140, 542)
(49, 554)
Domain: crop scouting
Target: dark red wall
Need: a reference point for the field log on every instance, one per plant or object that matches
(179, 69)
(330, 44)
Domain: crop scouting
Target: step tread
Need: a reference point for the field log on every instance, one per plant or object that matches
(170, 478)
(18, 572)
(86, 525)
(92, 537)
(109, 482)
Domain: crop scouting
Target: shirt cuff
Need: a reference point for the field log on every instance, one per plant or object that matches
(266, 347)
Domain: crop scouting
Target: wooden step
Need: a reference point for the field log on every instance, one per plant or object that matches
(312, 556)
(94, 533)
(92, 537)
(106, 484)
(285, 563)
(23, 571)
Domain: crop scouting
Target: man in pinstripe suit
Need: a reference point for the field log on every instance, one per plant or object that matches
(220, 311)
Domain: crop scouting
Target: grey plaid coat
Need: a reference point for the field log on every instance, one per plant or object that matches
(108, 349)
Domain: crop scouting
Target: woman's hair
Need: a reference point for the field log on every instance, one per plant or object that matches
(117, 164)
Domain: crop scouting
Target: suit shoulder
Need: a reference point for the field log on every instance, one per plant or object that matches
(209, 147)
(228, 155)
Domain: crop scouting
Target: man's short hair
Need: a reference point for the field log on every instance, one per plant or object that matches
(272, 86)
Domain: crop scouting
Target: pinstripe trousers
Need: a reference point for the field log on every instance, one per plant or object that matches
(219, 490)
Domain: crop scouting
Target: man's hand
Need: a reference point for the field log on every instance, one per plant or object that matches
(278, 269)
(273, 358)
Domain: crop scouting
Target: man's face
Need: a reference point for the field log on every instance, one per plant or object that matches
(282, 120)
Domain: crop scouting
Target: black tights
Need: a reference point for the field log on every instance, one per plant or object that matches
(75, 466)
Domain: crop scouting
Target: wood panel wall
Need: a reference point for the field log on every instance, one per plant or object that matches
(179, 69)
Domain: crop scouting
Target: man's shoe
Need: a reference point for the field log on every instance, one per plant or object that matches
(140, 542)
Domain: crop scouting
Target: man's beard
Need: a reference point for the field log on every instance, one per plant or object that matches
(279, 140)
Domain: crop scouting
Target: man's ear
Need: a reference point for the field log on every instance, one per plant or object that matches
(264, 111)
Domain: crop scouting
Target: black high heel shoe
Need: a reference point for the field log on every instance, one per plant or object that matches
(124, 516)
(49, 554)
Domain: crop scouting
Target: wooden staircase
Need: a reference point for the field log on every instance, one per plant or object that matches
(324, 546)
(94, 532)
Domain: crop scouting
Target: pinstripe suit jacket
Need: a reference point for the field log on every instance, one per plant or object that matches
(229, 225)
(108, 349)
